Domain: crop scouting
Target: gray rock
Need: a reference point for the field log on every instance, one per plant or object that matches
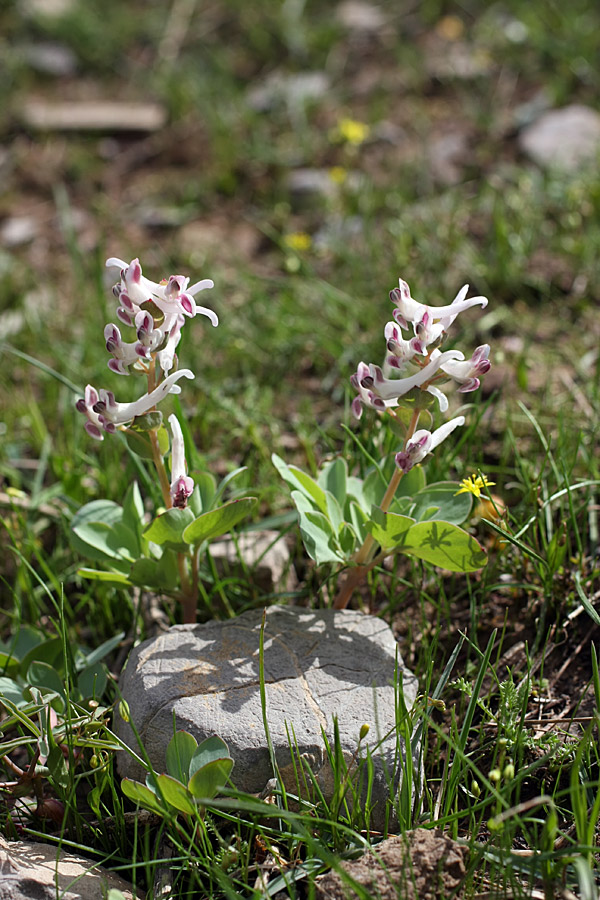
(291, 89)
(51, 58)
(265, 553)
(317, 665)
(31, 870)
(563, 138)
(357, 15)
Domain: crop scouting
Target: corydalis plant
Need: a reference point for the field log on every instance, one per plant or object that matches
(359, 521)
(165, 553)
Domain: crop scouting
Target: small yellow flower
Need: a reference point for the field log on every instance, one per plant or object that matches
(474, 485)
(299, 241)
(450, 28)
(353, 132)
(338, 174)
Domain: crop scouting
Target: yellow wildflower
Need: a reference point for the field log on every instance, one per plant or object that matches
(298, 241)
(474, 485)
(353, 132)
(338, 174)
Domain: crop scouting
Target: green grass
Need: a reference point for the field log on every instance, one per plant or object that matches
(488, 648)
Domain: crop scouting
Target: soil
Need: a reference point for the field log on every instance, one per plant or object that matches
(419, 865)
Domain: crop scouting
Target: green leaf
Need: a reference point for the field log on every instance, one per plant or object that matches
(133, 512)
(180, 750)
(50, 652)
(445, 545)
(123, 542)
(57, 765)
(142, 795)
(169, 527)
(439, 502)
(218, 521)
(139, 442)
(224, 484)
(176, 794)
(208, 781)
(354, 489)
(389, 529)
(302, 482)
(45, 677)
(156, 573)
(92, 680)
(333, 478)
(109, 577)
(347, 540)
(204, 493)
(210, 749)
(11, 690)
(104, 649)
(317, 533)
(358, 519)
(334, 512)
(90, 527)
(9, 664)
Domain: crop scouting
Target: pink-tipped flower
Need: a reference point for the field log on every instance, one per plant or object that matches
(423, 442)
(173, 297)
(468, 373)
(378, 392)
(409, 312)
(105, 414)
(401, 351)
(182, 486)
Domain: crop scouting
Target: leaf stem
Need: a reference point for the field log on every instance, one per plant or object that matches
(365, 553)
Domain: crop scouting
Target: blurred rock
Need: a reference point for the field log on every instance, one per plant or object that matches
(338, 231)
(447, 61)
(310, 184)
(563, 138)
(317, 665)
(447, 154)
(213, 239)
(35, 870)
(292, 89)
(266, 555)
(93, 116)
(18, 230)
(49, 9)
(359, 16)
(51, 58)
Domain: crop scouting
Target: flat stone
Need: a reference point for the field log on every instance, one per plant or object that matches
(563, 138)
(104, 115)
(318, 664)
(33, 870)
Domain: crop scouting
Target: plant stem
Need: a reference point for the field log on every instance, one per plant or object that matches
(365, 553)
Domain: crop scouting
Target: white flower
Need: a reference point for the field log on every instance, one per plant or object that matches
(104, 413)
(468, 372)
(182, 485)
(172, 301)
(378, 392)
(423, 442)
(437, 318)
(171, 298)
